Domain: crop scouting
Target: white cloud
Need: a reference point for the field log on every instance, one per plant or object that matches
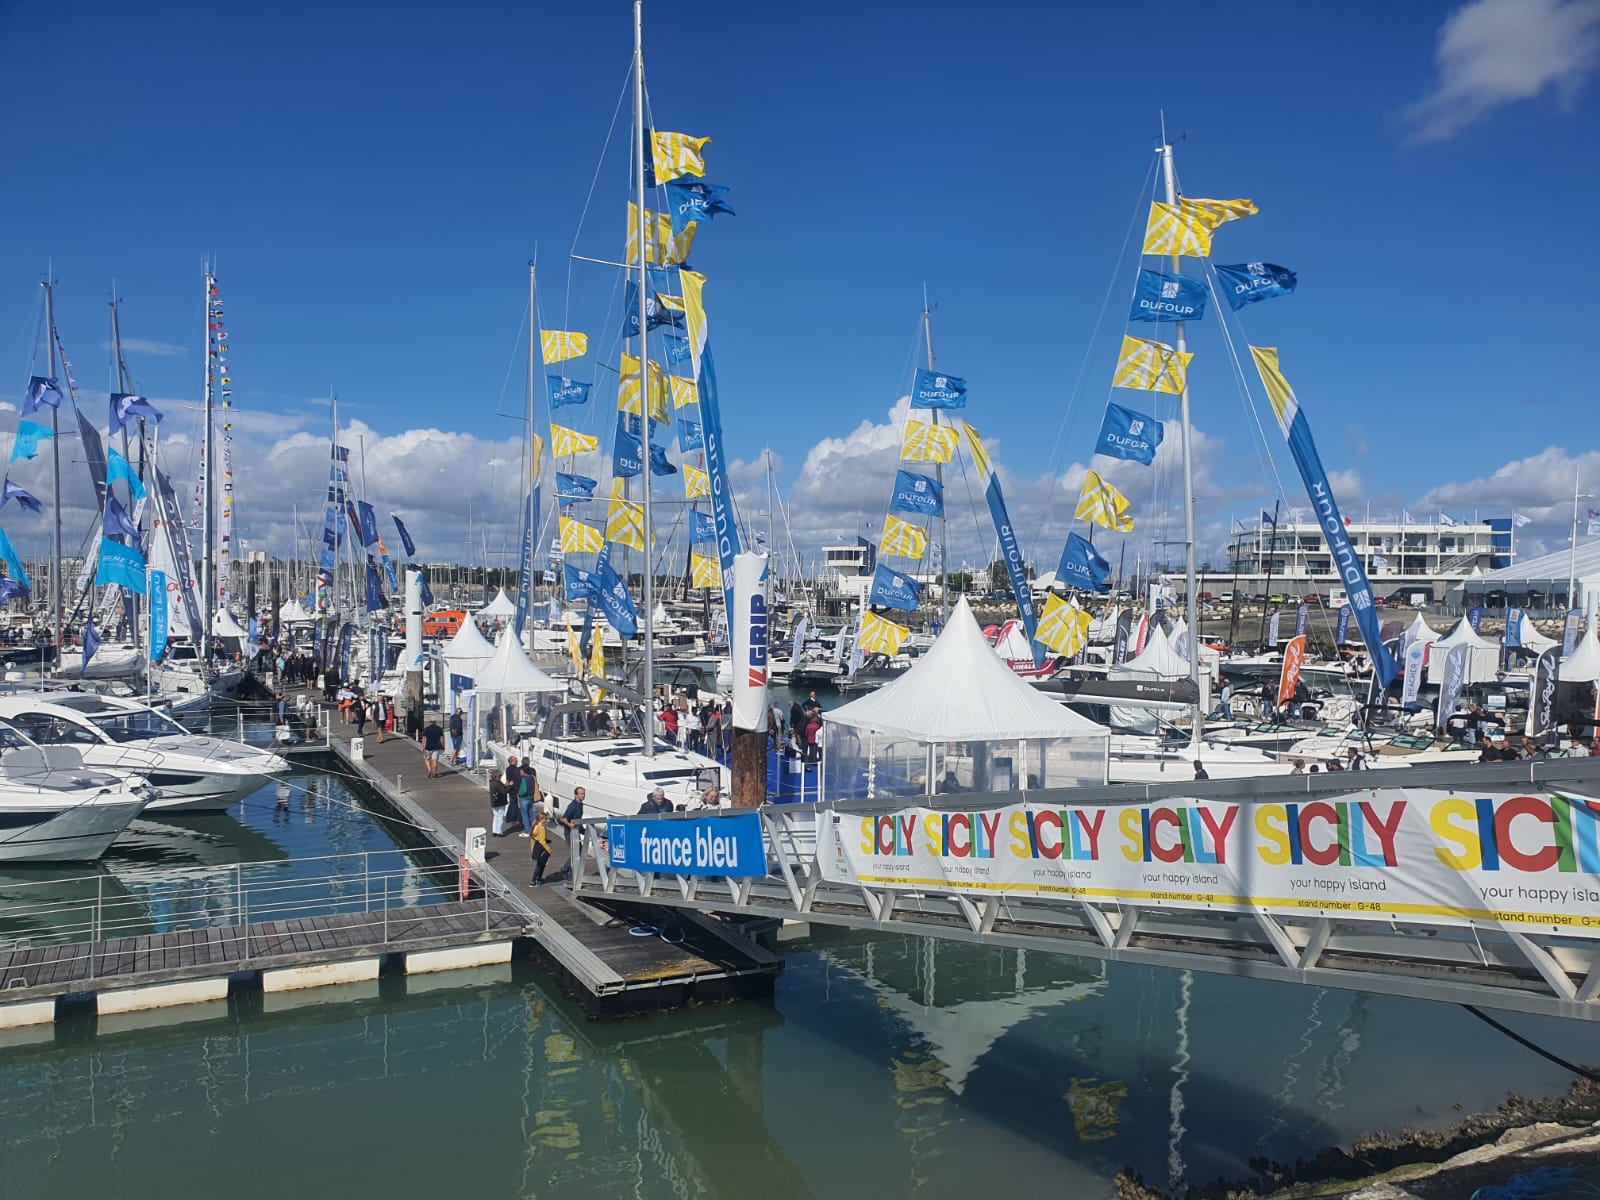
(146, 346)
(1496, 52)
(1539, 487)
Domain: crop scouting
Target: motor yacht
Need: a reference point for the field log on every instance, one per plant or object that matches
(54, 809)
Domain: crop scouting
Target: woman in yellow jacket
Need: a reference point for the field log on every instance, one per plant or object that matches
(539, 845)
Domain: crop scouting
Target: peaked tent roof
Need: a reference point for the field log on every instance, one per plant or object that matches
(510, 670)
(1583, 664)
(223, 625)
(468, 649)
(293, 610)
(960, 691)
(500, 606)
(1420, 630)
(1157, 658)
(1464, 635)
(1532, 639)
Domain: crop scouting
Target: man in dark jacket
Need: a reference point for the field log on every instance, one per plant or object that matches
(655, 802)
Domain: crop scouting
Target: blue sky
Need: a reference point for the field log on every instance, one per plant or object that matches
(373, 181)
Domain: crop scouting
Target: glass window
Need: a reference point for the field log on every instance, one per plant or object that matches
(136, 726)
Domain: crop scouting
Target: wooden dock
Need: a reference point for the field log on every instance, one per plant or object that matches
(611, 963)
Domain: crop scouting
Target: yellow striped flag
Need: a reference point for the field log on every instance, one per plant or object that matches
(597, 664)
(902, 539)
(661, 245)
(628, 389)
(878, 635)
(1284, 404)
(980, 456)
(694, 311)
(704, 572)
(696, 483)
(566, 442)
(624, 518)
(1186, 227)
(578, 538)
(926, 442)
(675, 154)
(1151, 367)
(1063, 626)
(684, 391)
(1101, 504)
(574, 649)
(558, 346)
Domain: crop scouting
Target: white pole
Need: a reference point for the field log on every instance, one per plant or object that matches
(1572, 553)
(648, 677)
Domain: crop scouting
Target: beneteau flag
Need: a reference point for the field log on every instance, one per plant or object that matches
(564, 442)
(559, 346)
(879, 635)
(1245, 283)
(1186, 227)
(1346, 562)
(578, 538)
(1101, 504)
(925, 442)
(1151, 366)
(675, 154)
(902, 539)
(1063, 627)
(120, 565)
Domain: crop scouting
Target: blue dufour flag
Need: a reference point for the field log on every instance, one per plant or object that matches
(919, 495)
(1475, 618)
(91, 642)
(367, 521)
(375, 598)
(580, 583)
(117, 468)
(891, 589)
(702, 528)
(1128, 435)
(677, 348)
(42, 393)
(573, 489)
(530, 519)
(694, 200)
(627, 452)
(1082, 565)
(691, 435)
(125, 407)
(405, 535)
(1016, 568)
(565, 391)
(22, 496)
(660, 464)
(120, 565)
(29, 436)
(656, 314)
(613, 597)
(159, 622)
(1344, 625)
(115, 522)
(1245, 283)
(932, 389)
(1162, 297)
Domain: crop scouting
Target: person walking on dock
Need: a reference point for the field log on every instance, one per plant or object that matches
(457, 729)
(539, 847)
(528, 796)
(380, 715)
(569, 823)
(501, 789)
(432, 744)
(358, 708)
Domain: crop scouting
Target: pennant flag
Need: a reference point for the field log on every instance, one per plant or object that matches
(662, 245)
(701, 527)
(117, 468)
(564, 442)
(879, 635)
(676, 154)
(1162, 297)
(628, 389)
(902, 539)
(574, 489)
(698, 201)
(405, 535)
(1346, 562)
(1128, 435)
(42, 393)
(559, 346)
(1246, 283)
(91, 642)
(691, 435)
(925, 442)
(704, 572)
(1063, 627)
(919, 495)
(578, 538)
(124, 408)
(565, 391)
(116, 522)
(22, 496)
(120, 565)
(29, 435)
(1151, 367)
(980, 456)
(684, 391)
(930, 389)
(14, 572)
(892, 589)
(1186, 227)
(696, 483)
(1101, 504)
(1082, 565)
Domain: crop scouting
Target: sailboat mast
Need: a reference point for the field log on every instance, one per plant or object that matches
(207, 523)
(55, 455)
(120, 369)
(648, 677)
(1191, 605)
(938, 471)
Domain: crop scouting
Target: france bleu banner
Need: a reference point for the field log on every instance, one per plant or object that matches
(614, 600)
(564, 391)
(701, 527)
(159, 624)
(722, 846)
(1082, 565)
(120, 565)
(891, 589)
(932, 389)
(1128, 435)
(1011, 552)
(1245, 283)
(916, 494)
(1162, 297)
(574, 489)
(1344, 625)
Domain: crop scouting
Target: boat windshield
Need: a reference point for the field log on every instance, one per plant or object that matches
(136, 726)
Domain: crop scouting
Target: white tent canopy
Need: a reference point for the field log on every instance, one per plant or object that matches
(467, 651)
(960, 691)
(293, 611)
(1583, 664)
(1420, 631)
(1483, 656)
(1159, 660)
(500, 606)
(223, 625)
(1533, 640)
(510, 671)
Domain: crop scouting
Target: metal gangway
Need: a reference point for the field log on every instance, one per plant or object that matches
(1517, 966)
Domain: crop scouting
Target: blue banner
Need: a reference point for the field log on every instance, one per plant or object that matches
(375, 599)
(405, 536)
(21, 495)
(525, 566)
(564, 391)
(573, 489)
(42, 393)
(1245, 283)
(1011, 552)
(114, 522)
(1302, 618)
(701, 527)
(1475, 618)
(627, 452)
(691, 436)
(1344, 625)
(717, 469)
(655, 313)
(919, 495)
(724, 846)
(1082, 565)
(117, 468)
(932, 389)
(660, 464)
(120, 565)
(427, 592)
(159, 623)
(1162, 297)
(612, 594)
(368, 521)
(694, 200)
(1513, 628)
(1128, 435)
(677, 348)
(891, 589)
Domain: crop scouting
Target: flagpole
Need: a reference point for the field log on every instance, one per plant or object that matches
(55, 454)
(120, 369)
(207, 532)
(648, 678)
(1191, 600)
(938, 473)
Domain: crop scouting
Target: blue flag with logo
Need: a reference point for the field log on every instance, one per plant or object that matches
(565, 391)
(1083, 566)
(573, 489)
(694, 200)
(1245, 283)
(691, 435)
(1128, 435)
(159, 624)
(580, 583)
(627, 452)
(1344, 624)
(919, 495)
(891, 589)
(405, 535)
(1016, 566)
(117, 468)
(677, 348)
(125, 407)
(934, 389)
(120, 565)
(656, 314)
(1162, 297)
(42, 393)
(368, 522)
(702, 528)
(30, 434)
(1475, 618)
(22, 496)
(1302, 618)
(116, 522)
(613, 596)
(375, 599)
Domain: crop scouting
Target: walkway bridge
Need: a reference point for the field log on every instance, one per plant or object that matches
(1475, 884)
